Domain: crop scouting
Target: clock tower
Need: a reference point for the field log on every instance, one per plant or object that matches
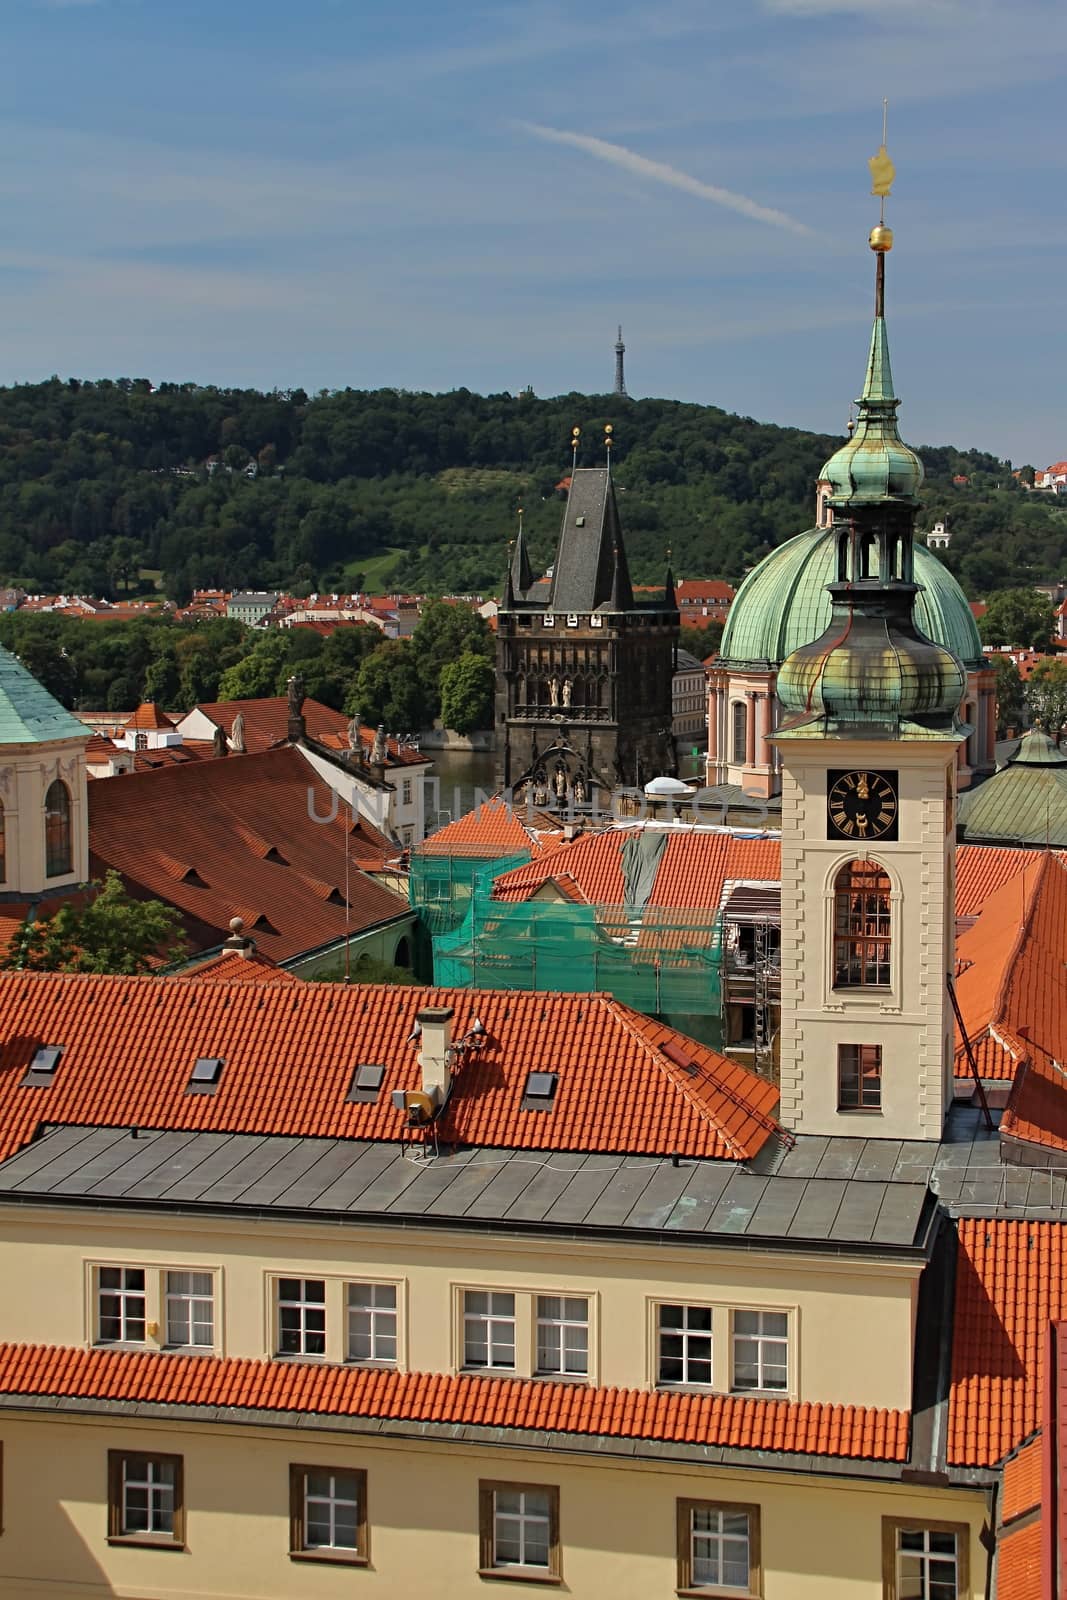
(868, 736)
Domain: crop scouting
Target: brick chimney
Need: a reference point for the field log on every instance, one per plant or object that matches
(436, 1025)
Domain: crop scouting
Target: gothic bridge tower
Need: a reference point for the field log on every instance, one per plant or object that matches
(584, 670)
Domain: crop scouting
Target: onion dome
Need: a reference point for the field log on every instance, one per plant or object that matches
(784, 603)
(875, 466)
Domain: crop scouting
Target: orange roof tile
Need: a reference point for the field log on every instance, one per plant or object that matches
(232, 837)
(1019, 1563)
(1021, 1490)
(229, 966)
(981, 868)
(267, 720)
(149, 715)
(691, 873)
(1013, 990)
(859, 1432)
(1011, 1282)
(625, 1084)
(495, 829)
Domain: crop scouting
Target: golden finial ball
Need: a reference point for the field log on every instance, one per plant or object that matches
(609, 430)
(881, 238)
(576, 433)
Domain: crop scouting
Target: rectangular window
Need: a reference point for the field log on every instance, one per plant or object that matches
(405, 792)
(372, 1322)
(328, 1514)
(301, 1317)
(718, 1548)
(190, 1310)
(563, 1334)
(761, 1350)
(120, 1305)
(519, 1528)
(684, 1345)
(145, 1498)
(859, 1077)
(488, 1330)
(924, 1560)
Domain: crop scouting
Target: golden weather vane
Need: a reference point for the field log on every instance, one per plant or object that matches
(882, 169)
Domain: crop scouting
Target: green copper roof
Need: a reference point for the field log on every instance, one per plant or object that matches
(1024, 803)
(875, 466)
(783, 604)
(28, 713)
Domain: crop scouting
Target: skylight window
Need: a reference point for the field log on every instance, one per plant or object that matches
(40, 1073)
(204, 1078)
(367, 1080)
(540, 1091)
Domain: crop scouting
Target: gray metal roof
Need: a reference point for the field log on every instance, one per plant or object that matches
(824, 1192)
(590, 568)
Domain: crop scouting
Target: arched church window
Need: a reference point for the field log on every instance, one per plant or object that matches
(58, 834)
(862, 931)
(739, 724)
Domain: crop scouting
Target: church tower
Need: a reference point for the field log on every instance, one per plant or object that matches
(868, 739)
(584, 670)
(44, 822)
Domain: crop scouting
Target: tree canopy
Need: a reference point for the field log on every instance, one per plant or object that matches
(111, 932)
(1017, 617)
(115, 486)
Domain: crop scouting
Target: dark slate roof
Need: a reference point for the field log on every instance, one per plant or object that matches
(590, 569)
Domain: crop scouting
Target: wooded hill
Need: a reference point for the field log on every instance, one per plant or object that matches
(113, 488)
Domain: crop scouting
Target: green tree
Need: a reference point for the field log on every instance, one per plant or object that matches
(256, 675)
(1017, 617)
(110, 933)
(701, 642)
(389, 688)
(1046, 696)
(442, 635)
(1009, 693)
(467, 689)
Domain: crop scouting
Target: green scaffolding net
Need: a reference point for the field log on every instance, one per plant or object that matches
(440, 886)
(664, 962)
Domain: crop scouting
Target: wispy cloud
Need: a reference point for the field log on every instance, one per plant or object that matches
(619, 156)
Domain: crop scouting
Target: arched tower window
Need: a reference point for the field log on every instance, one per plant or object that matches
(58, 835)
(739, 731)
(862, 932)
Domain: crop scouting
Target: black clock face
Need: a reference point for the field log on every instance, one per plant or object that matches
(861, 805)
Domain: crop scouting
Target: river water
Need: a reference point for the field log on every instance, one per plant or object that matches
(463, 775)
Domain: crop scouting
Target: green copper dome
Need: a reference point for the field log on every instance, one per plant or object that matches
(784, 603)
(875, 467)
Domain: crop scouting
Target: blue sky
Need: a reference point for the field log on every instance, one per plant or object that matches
(440, 194)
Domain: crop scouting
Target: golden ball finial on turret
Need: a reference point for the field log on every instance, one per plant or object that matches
(880, 238)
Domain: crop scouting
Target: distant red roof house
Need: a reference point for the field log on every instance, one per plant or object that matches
(494, 830)
(960, 479)
(978, 609)
(266, 722)
(234, 837)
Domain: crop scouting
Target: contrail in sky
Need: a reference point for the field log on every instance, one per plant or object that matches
(619, 156)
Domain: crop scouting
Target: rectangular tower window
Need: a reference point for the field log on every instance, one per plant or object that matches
(859, 1077)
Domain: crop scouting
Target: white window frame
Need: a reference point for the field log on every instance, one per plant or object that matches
(406, 792)
(761, 1339)
(331, 1501)
(686, 1334)
(375, 1314)
(191, 1299)
(302, 1304)
(490, 1319)
(562, 1324)
(125, 1296)
(526, 1301)
(722, 1345)
(925, 1556)
(156, 1329)
(336, 1300)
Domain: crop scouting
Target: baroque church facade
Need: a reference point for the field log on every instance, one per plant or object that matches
(584, 669)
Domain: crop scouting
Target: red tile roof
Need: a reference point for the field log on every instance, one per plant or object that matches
(149, 715)
(493, 830)
(981, 868)
(232, 967)
(1021, 1490)
(625, 1083)
(1011, 1282)
(859, 1432)
(691, 873)
(1013, 991)
(233, 837)
(703, 591)
(1019, 1563)
(267, 720)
